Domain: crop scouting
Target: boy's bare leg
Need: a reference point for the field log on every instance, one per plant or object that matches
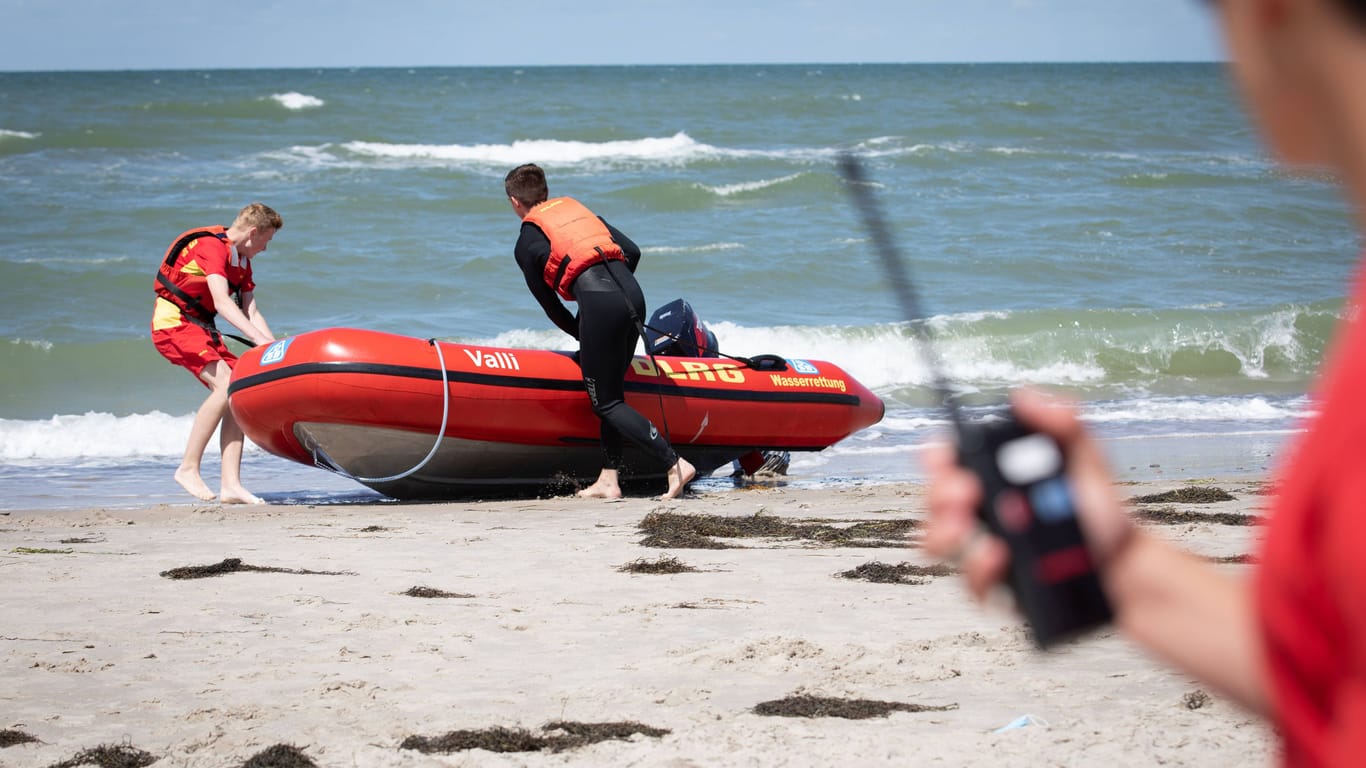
(230, 440)
(205, 422)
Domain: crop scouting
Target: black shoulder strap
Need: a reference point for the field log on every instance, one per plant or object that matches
(190, 304)
(195, 311)
(190, 237)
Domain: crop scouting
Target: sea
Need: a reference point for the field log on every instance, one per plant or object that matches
(1114, 232)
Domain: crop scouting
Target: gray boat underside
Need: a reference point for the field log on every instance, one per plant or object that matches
(384, 460)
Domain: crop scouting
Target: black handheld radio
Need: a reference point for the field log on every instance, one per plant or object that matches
(1026, 500)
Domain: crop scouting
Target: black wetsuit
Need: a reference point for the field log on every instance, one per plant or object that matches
(607, 294)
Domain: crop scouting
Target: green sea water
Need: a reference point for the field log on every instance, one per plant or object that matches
(1110, 229)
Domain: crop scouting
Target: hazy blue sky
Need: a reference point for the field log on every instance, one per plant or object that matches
(192, 34)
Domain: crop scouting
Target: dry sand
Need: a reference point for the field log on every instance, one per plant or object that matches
(540, 624)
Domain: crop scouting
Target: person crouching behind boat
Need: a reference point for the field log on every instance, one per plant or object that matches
(207, 272)
(566, 251)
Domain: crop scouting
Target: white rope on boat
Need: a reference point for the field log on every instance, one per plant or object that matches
(445, 412)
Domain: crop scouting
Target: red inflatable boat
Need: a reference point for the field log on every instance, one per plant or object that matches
(416, 419)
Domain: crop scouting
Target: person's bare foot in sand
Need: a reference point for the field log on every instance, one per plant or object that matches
(680, 474)
(607, 486)
(239, 495)
(189, 479)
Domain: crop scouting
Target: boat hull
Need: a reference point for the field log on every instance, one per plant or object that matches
(371, 405)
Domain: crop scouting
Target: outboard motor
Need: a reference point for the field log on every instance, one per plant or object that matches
(676, 330)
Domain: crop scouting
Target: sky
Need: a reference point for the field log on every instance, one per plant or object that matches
(196, 34)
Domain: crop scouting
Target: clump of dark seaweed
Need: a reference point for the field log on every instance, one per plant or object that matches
(556, 737)
(434, 592)
(665, 564)
(1242, 559)
(676, 539)
(9, 738)
(280, 756)
(850, 709)
(1196, 699)
(109, 756)
(373, 529)
(670, 529)
(592, 733)
(235, 565)
(1195, 494)
(1170, 516)
(81, 540)
(901, 573)
(495, 739)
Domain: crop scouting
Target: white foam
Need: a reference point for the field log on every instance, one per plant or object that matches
(41, 344)
(1230, 409)
(296, 101)
(678, 148)
(8, 134)
(885, 356)
(705, 248)
(95, 436)
(727, 190)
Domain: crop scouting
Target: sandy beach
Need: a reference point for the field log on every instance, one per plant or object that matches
(398, 634)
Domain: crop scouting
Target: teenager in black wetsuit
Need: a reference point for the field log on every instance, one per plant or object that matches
(567, 252)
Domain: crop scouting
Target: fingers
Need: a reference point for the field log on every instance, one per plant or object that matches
(954, 494)
(954, 533)
(1104, 523)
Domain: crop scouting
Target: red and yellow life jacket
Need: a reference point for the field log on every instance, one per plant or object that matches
(578, 240)
(181, 281)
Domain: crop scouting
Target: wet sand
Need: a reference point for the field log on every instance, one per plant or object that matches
(363, 635)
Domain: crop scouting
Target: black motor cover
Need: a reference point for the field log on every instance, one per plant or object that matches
(676, 330)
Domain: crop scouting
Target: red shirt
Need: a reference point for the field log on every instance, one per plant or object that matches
(1311, 588)
(204, 256)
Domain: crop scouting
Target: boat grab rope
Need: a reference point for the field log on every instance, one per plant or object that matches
(445, 413)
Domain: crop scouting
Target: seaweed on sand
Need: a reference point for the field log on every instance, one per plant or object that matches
(901, 573)
(665, 564)
(433, 592)
(280, 756)
(235, 565)
(1195, 494)
(555, 737)
(670, 529)
(10, 737)
(1169, 516)
(109, 756)
(850, 709)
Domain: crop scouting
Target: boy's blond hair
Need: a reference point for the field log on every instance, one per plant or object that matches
(258, 216)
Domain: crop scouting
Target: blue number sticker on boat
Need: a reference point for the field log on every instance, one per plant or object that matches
(275, 352)
(801, 366)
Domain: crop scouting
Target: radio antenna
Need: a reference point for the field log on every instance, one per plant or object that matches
(860, 188)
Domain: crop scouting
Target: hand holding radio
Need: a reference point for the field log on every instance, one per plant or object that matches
(1040, 489)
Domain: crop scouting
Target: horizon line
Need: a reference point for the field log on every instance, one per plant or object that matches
(1035, 62)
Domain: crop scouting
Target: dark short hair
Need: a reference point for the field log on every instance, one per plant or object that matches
(527, 184)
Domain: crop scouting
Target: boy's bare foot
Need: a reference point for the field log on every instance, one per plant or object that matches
(680, 474)
(189, 479)
(601, 490)
(240, 496)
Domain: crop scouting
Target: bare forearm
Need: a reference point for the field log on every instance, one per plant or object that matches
(259, 320)
(1184, 610)
(229, 311)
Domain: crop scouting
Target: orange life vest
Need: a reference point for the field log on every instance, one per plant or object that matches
(578, 240)
(192, 292)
